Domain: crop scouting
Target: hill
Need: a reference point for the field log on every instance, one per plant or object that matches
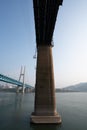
(81, 87)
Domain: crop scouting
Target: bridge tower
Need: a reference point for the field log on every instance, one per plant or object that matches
(45, 13)
(22, 78)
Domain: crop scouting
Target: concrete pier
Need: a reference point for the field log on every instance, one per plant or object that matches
(45, 106)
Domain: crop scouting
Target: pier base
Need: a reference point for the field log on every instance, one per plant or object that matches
(46, 119)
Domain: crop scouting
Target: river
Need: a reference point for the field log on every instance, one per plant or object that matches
(15, 111)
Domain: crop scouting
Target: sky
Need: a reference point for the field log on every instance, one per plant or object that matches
(18, 43)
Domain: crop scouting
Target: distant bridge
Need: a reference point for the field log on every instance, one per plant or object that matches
(7, 79)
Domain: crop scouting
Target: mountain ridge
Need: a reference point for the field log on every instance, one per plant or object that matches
(80, 87)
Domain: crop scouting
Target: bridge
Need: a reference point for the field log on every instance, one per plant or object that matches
(7, 79)
(45, 14)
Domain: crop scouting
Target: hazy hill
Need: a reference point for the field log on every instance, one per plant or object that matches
(81, 87)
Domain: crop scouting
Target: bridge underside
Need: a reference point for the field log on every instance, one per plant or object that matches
(45, 13)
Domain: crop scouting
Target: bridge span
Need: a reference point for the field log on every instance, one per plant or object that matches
(19, 84)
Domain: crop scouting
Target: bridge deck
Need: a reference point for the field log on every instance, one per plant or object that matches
(45, 12)
(12, 81)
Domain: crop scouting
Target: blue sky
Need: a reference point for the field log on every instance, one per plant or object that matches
(17, 41)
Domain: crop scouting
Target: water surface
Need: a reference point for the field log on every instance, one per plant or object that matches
(15, 111)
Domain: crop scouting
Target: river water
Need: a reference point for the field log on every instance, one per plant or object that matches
(15, 111)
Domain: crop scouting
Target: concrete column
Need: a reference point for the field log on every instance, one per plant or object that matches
(45, 106)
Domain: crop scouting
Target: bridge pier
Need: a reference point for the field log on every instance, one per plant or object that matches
(22, 89)
(22, 76)
(45, 106)
(17, 89)
(45, 14)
